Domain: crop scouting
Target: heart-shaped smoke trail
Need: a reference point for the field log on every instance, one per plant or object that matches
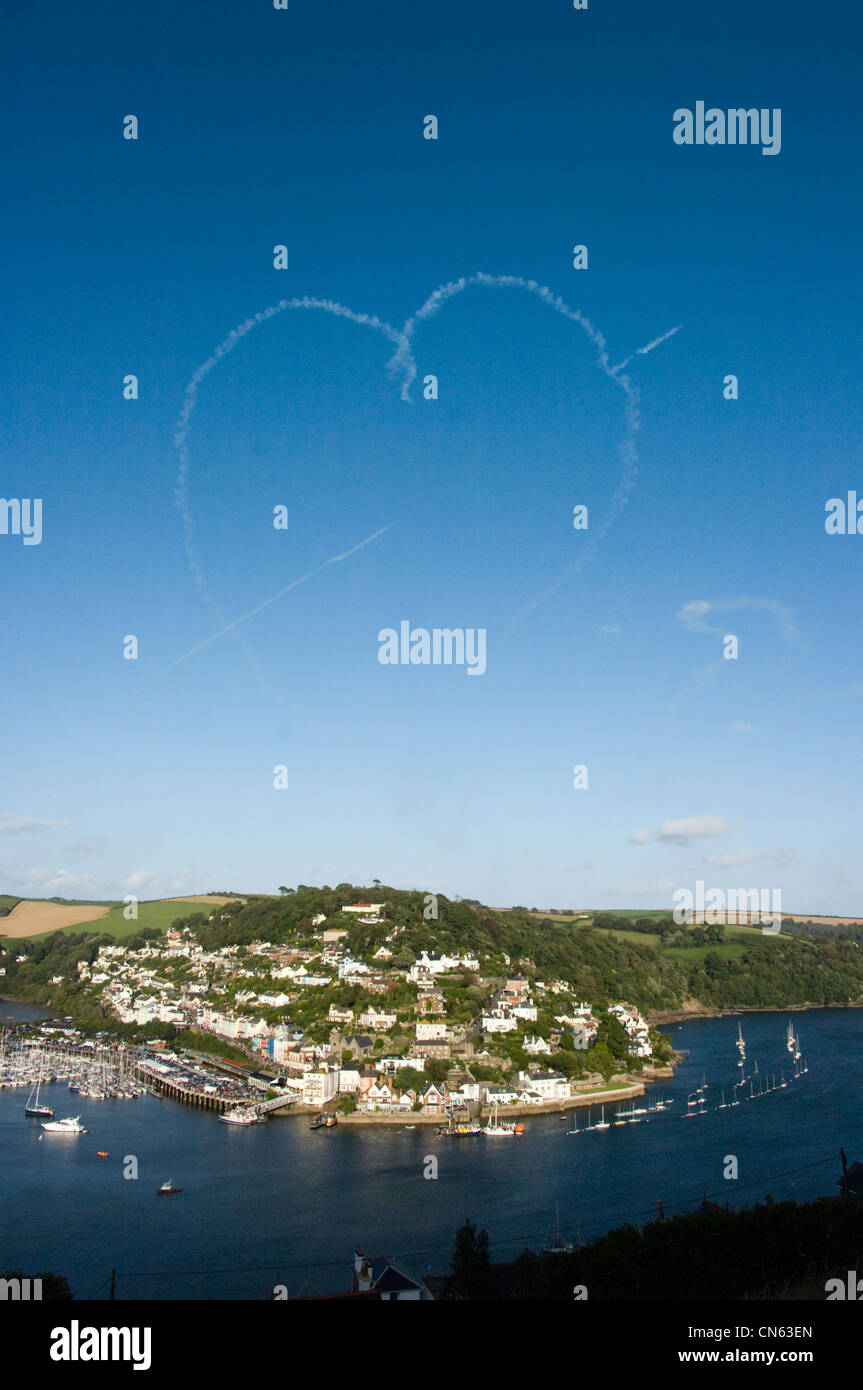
(403, 365)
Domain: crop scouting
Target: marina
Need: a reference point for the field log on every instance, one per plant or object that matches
(97, 1073)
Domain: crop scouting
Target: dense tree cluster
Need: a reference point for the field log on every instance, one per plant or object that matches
(774, 1250)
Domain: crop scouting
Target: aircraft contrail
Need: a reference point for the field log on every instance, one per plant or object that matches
(403, 361)
(642, 351)
(333, 560)
(190, 400)
(403, 364)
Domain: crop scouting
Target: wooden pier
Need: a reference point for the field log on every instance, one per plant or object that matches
(205, 1100)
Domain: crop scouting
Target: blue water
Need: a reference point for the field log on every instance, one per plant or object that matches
(12, 1011)
(280, 1203)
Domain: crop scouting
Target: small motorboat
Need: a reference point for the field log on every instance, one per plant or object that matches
(100, 1153)
(167, 1189)
(410, 1126)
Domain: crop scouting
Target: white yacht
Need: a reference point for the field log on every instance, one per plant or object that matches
(238, 1116)
(71, 1125)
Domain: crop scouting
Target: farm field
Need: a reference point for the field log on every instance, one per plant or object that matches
(212, 898)
(638, 938)
(34, 919)
(727, 948)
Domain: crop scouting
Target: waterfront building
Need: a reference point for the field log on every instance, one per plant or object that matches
(434, 1100)
(500, 1095)
(551, 1085)
(319, 1087)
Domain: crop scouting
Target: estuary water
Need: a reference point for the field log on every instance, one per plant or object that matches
(279, 1203)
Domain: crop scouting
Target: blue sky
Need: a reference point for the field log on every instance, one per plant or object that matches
(304, 127)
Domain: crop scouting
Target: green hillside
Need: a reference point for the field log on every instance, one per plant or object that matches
(157, 915)
(650, 961)
(645, 959)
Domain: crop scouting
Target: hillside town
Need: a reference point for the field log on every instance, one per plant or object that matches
(422, 1036)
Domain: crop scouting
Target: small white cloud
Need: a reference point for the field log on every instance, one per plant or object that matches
(155, 885)
(140, 878)
(640, 837)
(680, 832)
(55, 883)
(739, 727)
(609, 631)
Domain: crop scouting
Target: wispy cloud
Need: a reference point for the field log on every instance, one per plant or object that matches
(24, 825)
(739, 727)
(155, 885)
(694, 615)
(57, 883)
(740, 858)
(640, 837)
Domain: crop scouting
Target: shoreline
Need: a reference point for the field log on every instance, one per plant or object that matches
(552, 1107)
(603, 1096)
(734, 1011)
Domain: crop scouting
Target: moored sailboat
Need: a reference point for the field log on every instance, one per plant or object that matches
(558, 1246)
(498, 1130)
(33, 1106)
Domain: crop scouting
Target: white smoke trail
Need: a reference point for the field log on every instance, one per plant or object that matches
(643, 351)
(190, 400)
(693, 615)
(403, 364)
(229, 627)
